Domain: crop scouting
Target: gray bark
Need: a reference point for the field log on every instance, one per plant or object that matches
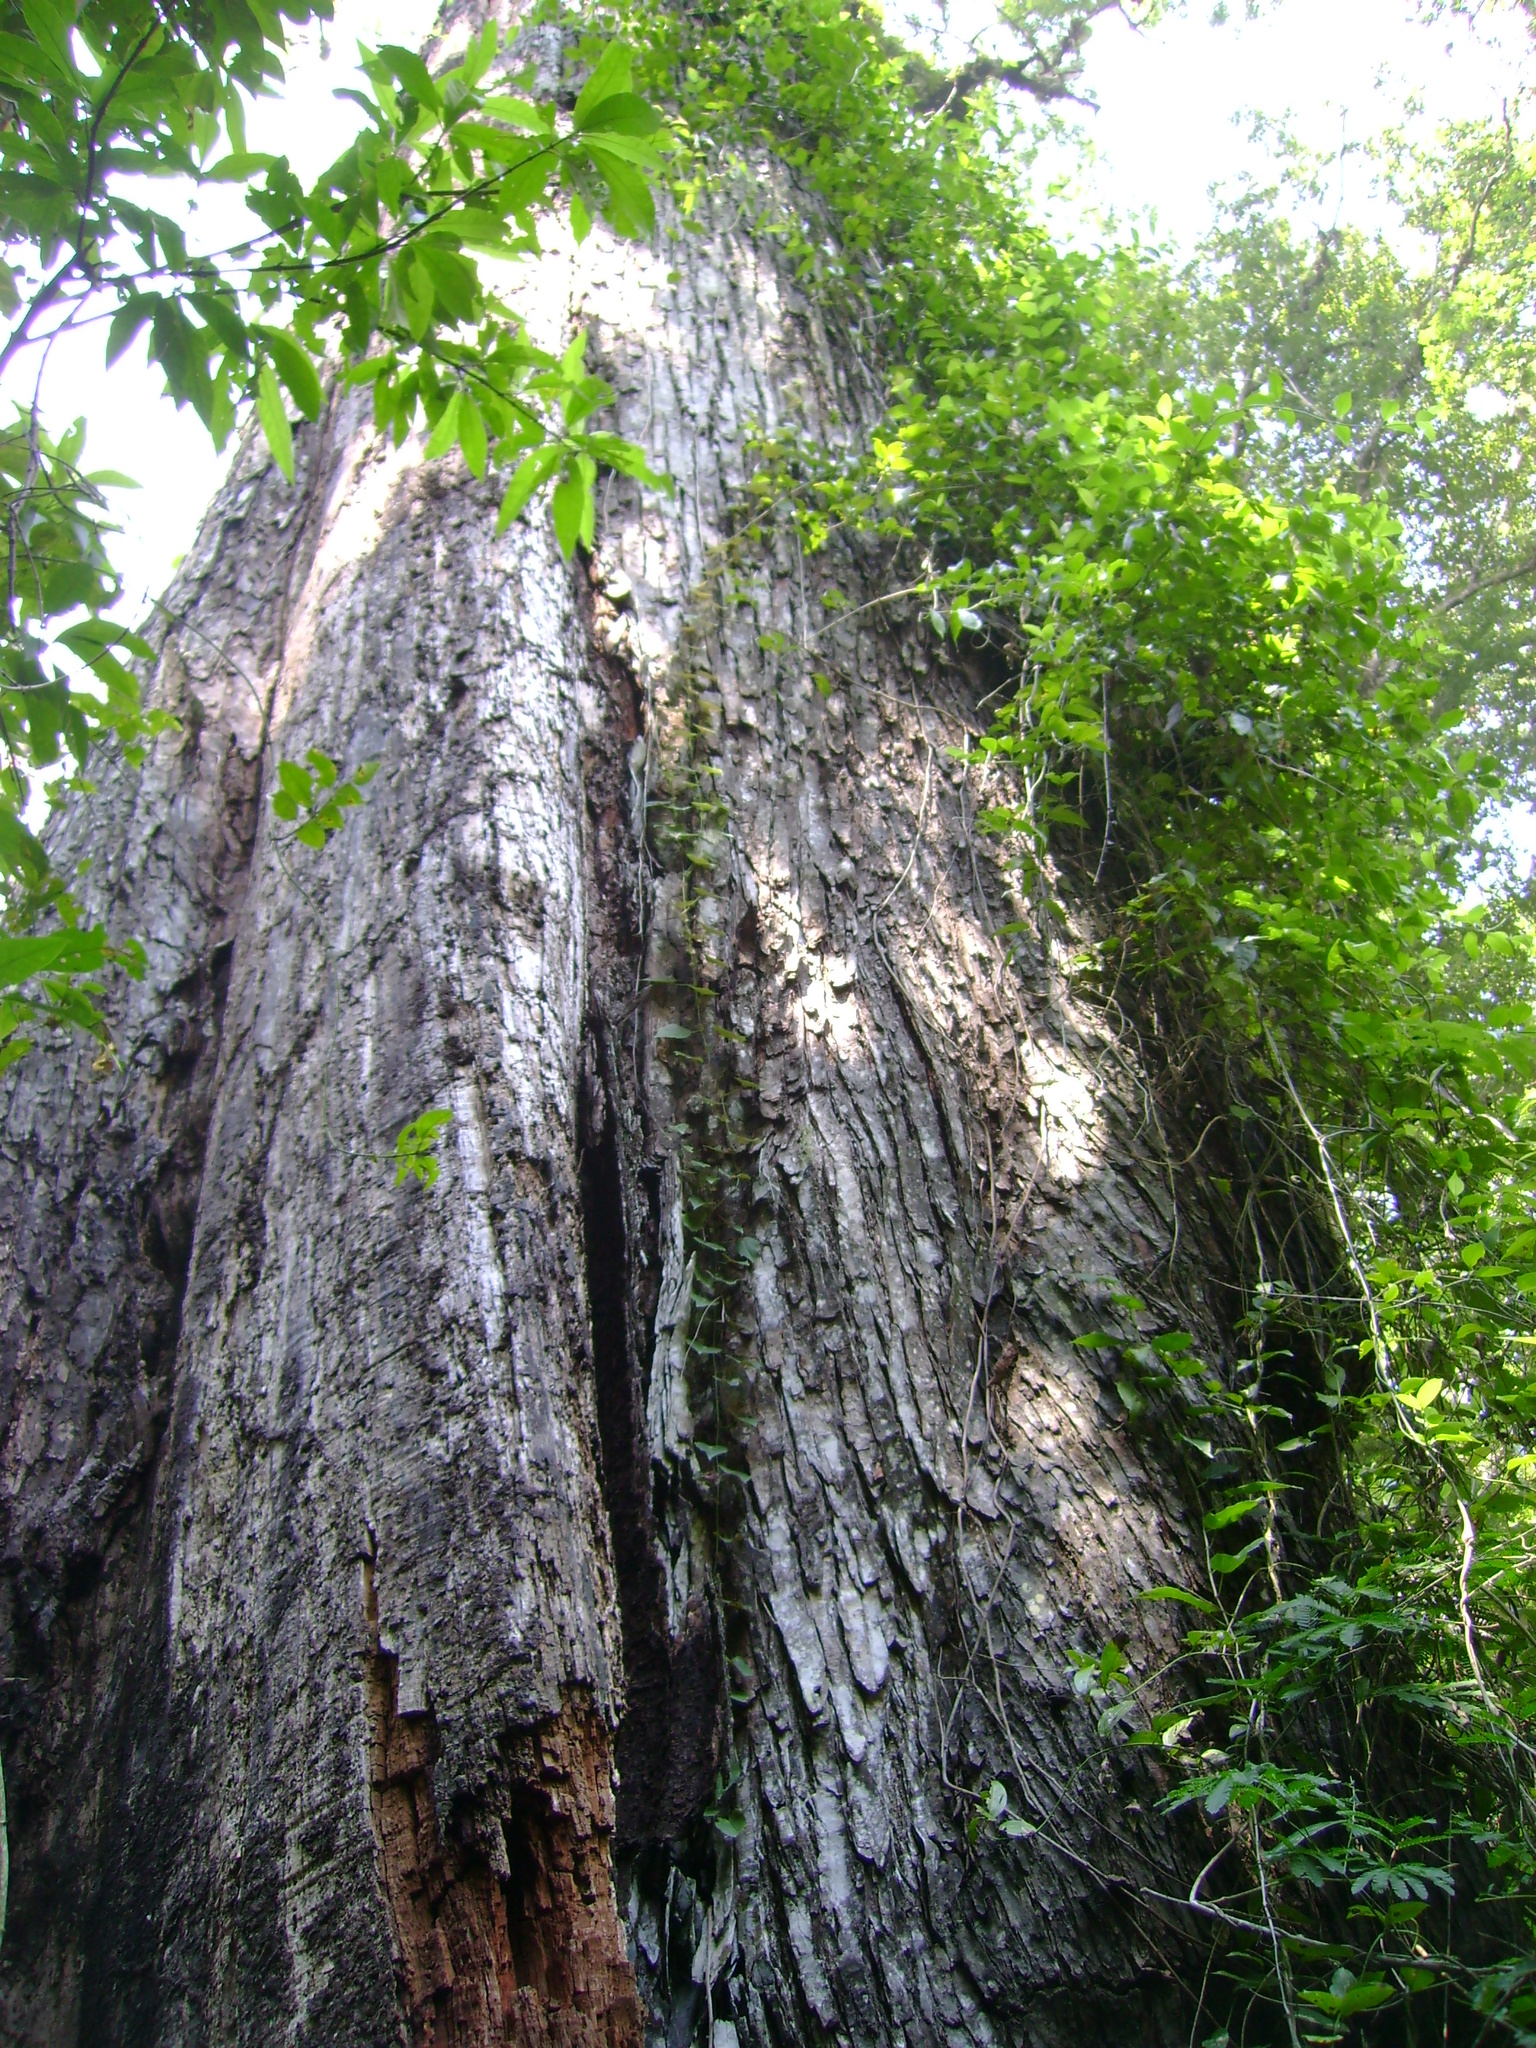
(352, 1531)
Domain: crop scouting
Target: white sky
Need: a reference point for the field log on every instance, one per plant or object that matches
(130, 426)
(1174, 102)
(1171, 103)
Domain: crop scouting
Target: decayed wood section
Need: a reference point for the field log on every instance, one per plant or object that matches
(351, 1531)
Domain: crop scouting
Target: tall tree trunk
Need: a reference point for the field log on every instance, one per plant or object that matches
(583, 1601)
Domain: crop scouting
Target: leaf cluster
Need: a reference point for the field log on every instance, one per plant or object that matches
(384, 268)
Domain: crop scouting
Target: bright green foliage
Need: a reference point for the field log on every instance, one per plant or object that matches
(58, 569)
(1226, 706)
(377, 266)
(52, 979)
(416, 1148)
(313, 799)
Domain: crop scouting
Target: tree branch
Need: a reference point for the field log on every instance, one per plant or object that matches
(950, 92)
(1526, 566)
(1054, 35)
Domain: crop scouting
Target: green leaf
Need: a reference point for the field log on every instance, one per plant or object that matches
(610, 78)
(294, 366)
(574, 505)
(483, 230)
(623, 113)
(416, 290)
(125, 324)
(573, 362)
(630, 210)
(1348, 1997)
(51, 28)
(472, 435)
(446, 432)
(413, 75)
(525, 183)
(481, 54)
(274, 420)
(517, 113)
(238, 168)
(93, 637)
(1224, 1562)
(1183, 1597)
(626, 458)
(455, 280)
(569, 505)
(67, 952)
(1222, 1518)
(532, 473)
(605, 146)
(416, 1146)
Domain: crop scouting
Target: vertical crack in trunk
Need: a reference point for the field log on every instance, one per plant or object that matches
(643, 1736)
(670, 1738)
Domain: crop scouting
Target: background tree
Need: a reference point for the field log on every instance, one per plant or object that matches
(1406, 377)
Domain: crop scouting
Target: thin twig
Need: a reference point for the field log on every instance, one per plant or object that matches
(1469, 1633)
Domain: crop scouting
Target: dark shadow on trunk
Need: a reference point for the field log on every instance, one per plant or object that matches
(668, 1740)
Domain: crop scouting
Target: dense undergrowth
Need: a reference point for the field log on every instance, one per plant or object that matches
(1226, 714)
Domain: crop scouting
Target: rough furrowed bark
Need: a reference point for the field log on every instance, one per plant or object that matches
(899, 1171)
(376, 1570)
(715, 1416)
(102, 1169)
